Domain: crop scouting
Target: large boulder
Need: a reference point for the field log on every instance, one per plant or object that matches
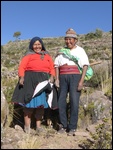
(98, 105)
(4, 109)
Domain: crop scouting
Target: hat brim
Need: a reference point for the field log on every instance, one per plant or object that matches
(72, 36)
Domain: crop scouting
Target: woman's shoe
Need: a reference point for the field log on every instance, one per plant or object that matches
(40, 131)
(27, 129)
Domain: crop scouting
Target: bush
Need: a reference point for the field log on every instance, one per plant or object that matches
(102, 138)
(93, 35)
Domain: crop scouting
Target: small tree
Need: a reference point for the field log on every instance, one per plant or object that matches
(98, 33)
(16, 35)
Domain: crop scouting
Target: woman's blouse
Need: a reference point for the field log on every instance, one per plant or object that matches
(33, 62)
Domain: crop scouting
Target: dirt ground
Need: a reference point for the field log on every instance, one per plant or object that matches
(16, 138)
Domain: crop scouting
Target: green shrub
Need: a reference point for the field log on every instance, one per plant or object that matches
(98, 33)
(94, 35)
(102, 138)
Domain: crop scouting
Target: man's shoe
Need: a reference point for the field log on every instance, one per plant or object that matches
(61, 131)
(71, 132)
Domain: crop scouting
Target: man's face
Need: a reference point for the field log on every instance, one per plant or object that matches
(70, 42)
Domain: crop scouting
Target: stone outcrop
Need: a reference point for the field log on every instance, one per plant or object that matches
(4, 109)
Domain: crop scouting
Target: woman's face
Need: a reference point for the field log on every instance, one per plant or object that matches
(70, 42)
(37, 47)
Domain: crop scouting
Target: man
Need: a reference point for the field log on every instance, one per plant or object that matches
(69, 80)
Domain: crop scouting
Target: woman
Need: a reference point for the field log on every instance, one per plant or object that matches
(69, 79)
(35, 67)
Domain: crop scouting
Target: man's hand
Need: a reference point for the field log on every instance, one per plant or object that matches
(80, 86)
(57, 83)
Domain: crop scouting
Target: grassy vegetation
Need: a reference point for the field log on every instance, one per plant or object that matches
(102, 138)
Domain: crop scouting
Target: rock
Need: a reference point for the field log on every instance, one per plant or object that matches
(4, 109)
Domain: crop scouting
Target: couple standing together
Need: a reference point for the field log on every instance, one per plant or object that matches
(38, 66)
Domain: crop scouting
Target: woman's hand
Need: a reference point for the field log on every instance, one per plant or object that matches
(51, 79)
(21, 81)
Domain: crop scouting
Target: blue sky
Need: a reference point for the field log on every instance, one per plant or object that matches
(53, 18)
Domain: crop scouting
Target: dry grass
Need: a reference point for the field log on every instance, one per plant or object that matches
(30, 142)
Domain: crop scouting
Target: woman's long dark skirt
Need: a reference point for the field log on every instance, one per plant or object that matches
(23, 94)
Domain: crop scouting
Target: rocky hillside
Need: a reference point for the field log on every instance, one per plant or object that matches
(95, 101)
